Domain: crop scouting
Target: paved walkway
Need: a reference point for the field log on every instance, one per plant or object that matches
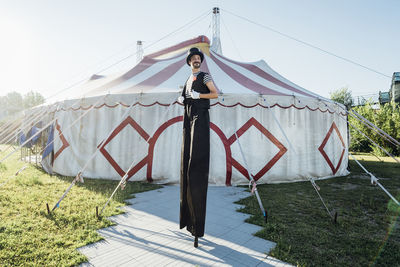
(148, 234)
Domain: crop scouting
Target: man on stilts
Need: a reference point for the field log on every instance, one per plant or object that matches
(195, 160)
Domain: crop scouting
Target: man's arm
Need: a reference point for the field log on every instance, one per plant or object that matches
(213, 91)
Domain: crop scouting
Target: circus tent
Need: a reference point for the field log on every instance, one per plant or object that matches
(133, 120)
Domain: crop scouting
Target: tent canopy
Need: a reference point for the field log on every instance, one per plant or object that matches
(165, 71)
(288, 133)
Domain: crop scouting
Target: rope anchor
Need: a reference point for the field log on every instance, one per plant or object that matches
(333, 214)
(253, 184)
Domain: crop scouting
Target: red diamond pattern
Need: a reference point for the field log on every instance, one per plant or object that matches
(142, 133)
(282, 149)
(64, 142)
(321, 148)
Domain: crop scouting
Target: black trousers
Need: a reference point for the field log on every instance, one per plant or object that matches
(195, 163)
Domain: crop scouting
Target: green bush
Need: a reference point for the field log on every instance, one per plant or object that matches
(387, 118)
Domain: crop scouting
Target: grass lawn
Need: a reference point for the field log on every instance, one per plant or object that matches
(31, 237)
(367, 232)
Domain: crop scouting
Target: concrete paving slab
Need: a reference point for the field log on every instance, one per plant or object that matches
(148, 234)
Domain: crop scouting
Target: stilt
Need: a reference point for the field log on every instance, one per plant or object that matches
(196, 241)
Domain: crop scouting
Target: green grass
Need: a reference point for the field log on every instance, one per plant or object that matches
(31, 237)
(367, 232)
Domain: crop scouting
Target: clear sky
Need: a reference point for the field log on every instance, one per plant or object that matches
(48, 45)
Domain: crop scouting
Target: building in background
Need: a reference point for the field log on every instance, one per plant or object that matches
(395, 88)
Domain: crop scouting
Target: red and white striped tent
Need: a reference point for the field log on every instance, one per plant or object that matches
(287, 133)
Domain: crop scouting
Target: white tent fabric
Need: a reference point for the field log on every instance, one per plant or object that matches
(252, 96)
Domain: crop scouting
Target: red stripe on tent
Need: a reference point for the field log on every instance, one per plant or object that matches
(241, 169)
(256, 70)
(199, 39)
(164, 126)
(228, 152)
(244, 81)
(282, 149)
(139, 68)
(117, 130)
(137, 167)
(322, 151)
(214, 104)
(142, 66)
(159, 77)
(276, 105)
(118, 169)
(64, 141)
(205, 67)
(153, 140)
(134, 125)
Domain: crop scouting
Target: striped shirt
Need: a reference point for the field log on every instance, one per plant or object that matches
(207, 78)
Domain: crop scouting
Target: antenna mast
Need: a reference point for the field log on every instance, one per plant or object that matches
(216, 42)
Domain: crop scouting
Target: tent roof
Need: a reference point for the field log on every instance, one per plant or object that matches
(166, 71)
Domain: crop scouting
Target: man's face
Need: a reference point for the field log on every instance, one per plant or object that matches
(195, 61)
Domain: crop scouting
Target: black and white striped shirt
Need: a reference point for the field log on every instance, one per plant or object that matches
(207, 78)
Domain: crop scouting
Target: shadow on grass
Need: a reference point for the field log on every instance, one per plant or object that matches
(106, 187)
(367, 231)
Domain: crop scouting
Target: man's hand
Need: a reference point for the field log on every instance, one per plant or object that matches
(180, 99)
(194, 95)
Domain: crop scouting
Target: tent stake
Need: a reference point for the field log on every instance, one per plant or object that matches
(253, 183)
(332, 214)
(48, 209)
(97, 212)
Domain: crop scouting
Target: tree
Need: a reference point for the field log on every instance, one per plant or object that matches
(14, 102)
(32, 99)
(387, 118)
(3, 104)
(343, 96)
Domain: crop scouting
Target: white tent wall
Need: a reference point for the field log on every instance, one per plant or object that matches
(317, 131)
(127, 144)
(306, 125)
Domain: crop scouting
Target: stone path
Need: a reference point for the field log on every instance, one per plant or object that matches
(148, 234)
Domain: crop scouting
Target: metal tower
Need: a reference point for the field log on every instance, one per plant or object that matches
(216, 42)
(139, 51)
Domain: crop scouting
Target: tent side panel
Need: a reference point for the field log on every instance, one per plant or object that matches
(149, 140)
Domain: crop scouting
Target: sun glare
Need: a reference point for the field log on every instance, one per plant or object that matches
(16, 53)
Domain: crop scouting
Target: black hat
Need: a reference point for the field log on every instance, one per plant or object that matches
(194, 51)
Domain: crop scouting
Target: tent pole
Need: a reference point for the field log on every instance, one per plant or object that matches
(75, 121)
(374, 180)
(79, 175)
(387, 153)
(253, 183)
(377, 129)
(15, 174)
(279, 125)
(27, 141)
(28, 123)
(4, 133)
(316, 187)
